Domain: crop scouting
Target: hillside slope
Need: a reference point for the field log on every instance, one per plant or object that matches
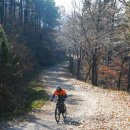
(89, 108)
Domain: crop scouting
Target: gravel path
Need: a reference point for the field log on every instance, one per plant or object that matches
(89, 108)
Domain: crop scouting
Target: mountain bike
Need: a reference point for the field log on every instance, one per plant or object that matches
(60, 109)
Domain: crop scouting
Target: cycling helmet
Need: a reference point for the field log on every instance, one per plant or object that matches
(58, 87)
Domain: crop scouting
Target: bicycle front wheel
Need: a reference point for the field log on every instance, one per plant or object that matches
(57, 115)
(64, 113)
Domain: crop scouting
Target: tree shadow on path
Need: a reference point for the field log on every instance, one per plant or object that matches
(70, 121)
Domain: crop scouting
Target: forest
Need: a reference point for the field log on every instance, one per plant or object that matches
(97, 39)
(36, 34)
(27, 43)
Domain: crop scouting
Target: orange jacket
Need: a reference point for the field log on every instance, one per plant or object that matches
(60, 93)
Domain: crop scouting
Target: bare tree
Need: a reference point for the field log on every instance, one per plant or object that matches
(89, 31)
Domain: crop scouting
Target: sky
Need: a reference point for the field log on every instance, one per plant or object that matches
(66, 3)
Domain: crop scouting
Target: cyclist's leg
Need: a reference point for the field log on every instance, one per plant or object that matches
(63, 105)
(59, 105)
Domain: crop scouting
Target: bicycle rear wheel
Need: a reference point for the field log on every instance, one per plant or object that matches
(64, 114)
(57, 115)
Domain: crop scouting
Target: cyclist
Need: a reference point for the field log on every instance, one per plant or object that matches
(60, 93)
(61, 97)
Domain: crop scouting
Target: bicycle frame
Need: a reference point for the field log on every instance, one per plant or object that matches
(60, 108)
(60, 105)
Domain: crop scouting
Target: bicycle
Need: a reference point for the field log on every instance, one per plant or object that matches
(60, 109)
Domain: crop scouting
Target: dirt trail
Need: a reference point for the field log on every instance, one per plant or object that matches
(89, 108)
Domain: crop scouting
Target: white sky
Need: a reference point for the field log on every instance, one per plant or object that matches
(66, 3)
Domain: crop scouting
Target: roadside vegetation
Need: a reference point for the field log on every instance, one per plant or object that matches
(96, 36)
(27, 45)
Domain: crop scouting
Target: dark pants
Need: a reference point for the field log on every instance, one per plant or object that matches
(60, 105)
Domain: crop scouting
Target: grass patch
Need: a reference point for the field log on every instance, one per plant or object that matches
(37, 95)
(34, 96)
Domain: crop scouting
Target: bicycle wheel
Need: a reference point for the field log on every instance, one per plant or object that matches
(57, 115)
(65, 112)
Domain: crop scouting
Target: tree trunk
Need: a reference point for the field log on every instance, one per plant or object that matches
(71, 64)
(14, 6)
(128, 78)
(26, 15)
(2, 12)
(94, 70)
(119, 79)
(78, 68)
(88, 73)
(21, 12)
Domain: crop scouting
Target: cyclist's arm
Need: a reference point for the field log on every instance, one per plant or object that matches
(54, 94)
(65, 95)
